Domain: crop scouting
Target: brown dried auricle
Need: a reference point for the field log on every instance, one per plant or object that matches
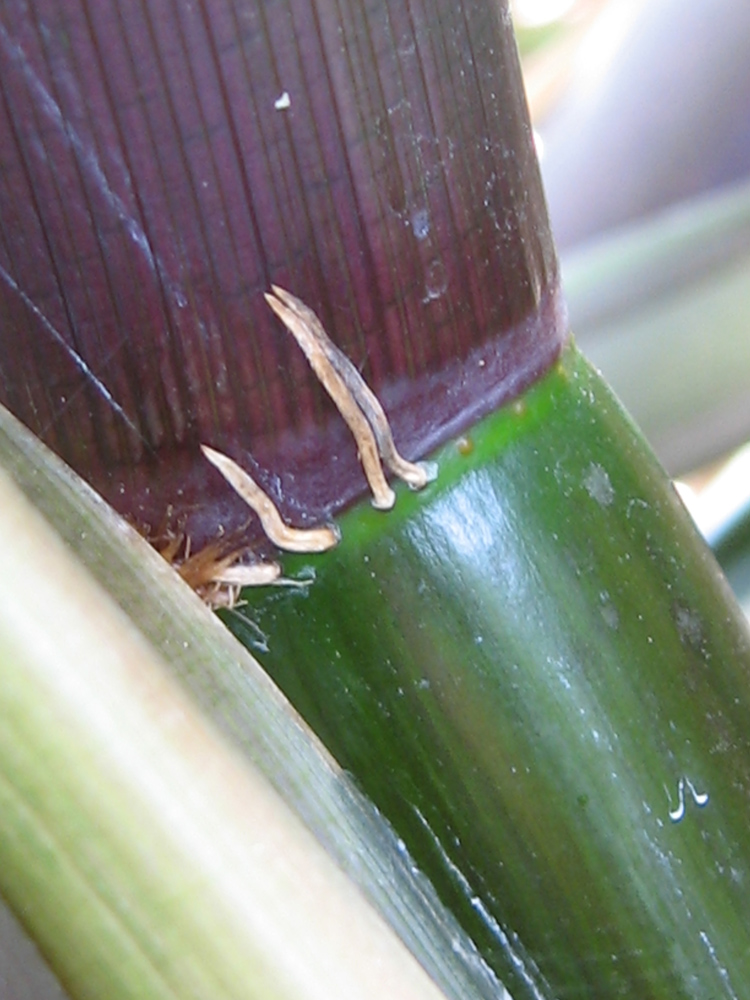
(357, 403)
(366, 419)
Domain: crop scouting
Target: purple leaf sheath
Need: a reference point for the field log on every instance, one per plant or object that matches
(162, 163)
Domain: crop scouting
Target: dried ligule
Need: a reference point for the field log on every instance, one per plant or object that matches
(217, 572)
(281, 534)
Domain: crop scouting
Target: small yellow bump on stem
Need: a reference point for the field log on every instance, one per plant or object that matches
(281, 534)
(464, 445)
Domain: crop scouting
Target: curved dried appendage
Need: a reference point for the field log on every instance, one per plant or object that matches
(281, 534)
(311, 336)
(355, 400)
(415, 474)
(307, 330)
(224, 592)
(223, 582)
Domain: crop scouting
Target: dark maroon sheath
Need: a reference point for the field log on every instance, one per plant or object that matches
(162, 163)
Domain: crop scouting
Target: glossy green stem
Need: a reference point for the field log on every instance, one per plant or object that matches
(538, 673)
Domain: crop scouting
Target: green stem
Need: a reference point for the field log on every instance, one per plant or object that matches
(538, 673)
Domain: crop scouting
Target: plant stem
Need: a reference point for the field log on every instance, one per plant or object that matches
(537, 671)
